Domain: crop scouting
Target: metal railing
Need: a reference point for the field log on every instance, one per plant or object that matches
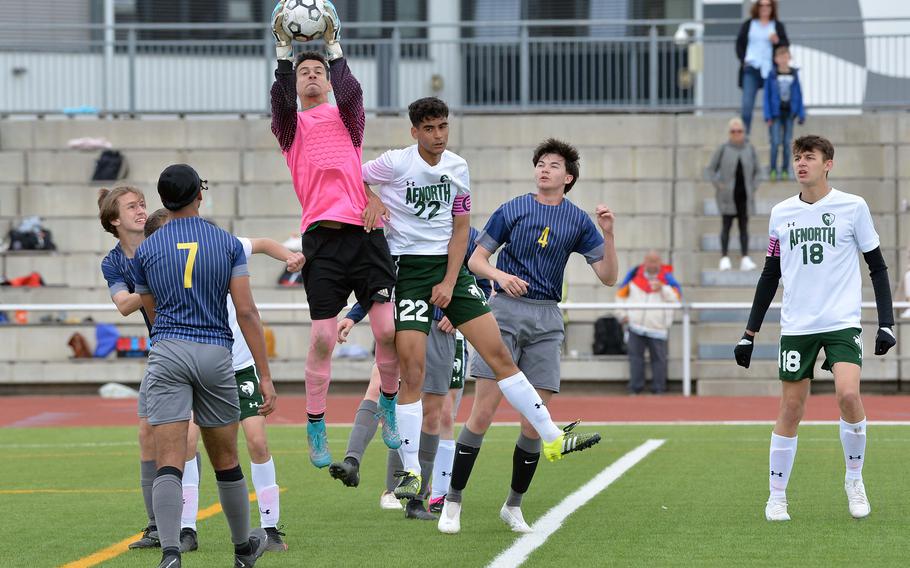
(685, 307)
(590, 65)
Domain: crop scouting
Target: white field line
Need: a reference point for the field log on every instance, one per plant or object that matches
(548, 524)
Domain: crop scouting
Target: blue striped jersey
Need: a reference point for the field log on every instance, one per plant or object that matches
(187, 265)
(537, 240)
(116, 270)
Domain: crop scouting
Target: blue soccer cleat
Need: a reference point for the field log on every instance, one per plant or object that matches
(319, 444)
(389, 421)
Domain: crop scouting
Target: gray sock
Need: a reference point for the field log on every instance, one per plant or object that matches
(235, 502)
(393, 464)
(147, 471)
(167, 500)
(429, 443)
(365, 423)
(472, 440)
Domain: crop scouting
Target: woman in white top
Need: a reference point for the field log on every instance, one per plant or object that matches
(755, 45)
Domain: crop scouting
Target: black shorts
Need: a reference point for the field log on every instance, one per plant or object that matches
(345, 260)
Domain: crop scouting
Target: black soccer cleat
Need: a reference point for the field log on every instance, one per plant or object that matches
(170, 561)
(347, 471)
(259, 541)
(188, 540)
(414, 510)
(276, 543)
(149, 539)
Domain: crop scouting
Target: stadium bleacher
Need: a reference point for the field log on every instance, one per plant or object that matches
(646, 167)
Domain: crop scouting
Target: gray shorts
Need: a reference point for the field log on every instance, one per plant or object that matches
(443, 368)
(185, 377)
(533, 331)
(142, 410)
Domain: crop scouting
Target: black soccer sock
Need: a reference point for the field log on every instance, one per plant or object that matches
(466, 451)
(524, 463)
(387, 395)
(313, 418)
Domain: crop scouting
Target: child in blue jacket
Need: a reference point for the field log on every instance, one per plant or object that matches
(783, 102)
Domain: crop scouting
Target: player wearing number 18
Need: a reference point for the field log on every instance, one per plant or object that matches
(814, 240)
(183, 274)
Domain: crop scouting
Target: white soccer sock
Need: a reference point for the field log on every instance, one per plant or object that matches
(783, 452)
(523, 398)
(190, 494)
(442, 468)
(410, 420)
(266, 492)
(853, 439)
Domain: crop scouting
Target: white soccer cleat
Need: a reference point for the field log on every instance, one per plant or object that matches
(856, 498)
(725, 263)
(389, 502)
(776, 509)
(450, 518)
(512, 516)
(746, 264)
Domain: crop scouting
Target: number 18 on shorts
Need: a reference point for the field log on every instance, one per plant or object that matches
(798, 353)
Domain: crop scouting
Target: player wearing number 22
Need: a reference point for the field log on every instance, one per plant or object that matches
(814, 240)
(427, 190)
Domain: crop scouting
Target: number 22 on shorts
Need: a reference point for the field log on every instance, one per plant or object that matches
(407, 307)
(192, 249)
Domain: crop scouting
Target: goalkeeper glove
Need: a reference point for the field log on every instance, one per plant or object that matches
(332, 32)
(283, 49)
(743, 350)
(884, 340)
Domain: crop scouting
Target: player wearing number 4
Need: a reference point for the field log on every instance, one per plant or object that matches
(814, 240)
(322, 145)
(538, 232)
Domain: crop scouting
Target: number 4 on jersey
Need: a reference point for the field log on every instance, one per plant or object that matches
(544, 238)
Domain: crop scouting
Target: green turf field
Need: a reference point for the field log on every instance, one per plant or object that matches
(696, 501)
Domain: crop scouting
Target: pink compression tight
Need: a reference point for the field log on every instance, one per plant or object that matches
(382, 322)
(319, 363)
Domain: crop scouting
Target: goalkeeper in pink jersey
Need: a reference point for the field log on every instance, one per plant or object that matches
(345, 251)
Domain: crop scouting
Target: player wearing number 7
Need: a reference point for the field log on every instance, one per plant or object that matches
(183, 274)
(814, 240)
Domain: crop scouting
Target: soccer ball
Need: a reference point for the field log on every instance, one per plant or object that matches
(303, 20)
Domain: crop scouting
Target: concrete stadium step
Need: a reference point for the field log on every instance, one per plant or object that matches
(747, 279)
(757, 243)
(724, 351)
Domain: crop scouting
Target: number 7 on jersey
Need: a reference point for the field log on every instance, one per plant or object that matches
(193, 248)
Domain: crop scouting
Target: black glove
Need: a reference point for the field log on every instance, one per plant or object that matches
(743, 350)
(884, 340)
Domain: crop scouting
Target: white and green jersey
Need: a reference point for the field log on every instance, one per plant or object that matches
(421, 198)
(819, 245)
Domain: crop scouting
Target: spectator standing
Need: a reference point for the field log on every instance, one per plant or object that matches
(734, 171)
(650, 282)
(783, 103)
(755, 50)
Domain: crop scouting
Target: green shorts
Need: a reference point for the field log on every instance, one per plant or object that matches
(417, 274)
(796, 359)
(248, 391)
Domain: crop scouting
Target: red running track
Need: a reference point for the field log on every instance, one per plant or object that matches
(55, 411)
